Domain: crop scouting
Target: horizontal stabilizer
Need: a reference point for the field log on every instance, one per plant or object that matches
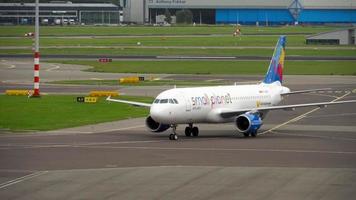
(305, 91)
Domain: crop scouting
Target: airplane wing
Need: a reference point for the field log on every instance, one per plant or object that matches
(134, 103)
(230, 113)
(305, 91)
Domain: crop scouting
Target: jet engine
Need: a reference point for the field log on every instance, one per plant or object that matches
(248, 123)
(156, 126)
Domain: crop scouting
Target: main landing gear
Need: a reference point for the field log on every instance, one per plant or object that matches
(190, 130)
(252, 134)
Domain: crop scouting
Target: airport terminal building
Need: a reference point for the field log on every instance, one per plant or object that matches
(271, 12)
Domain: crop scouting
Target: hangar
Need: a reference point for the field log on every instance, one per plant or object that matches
(261, 12)
(87, 13)
(338, 37)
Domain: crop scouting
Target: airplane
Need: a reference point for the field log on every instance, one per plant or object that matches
(244, 105)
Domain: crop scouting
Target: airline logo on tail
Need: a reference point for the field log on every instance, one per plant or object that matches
(275, 70)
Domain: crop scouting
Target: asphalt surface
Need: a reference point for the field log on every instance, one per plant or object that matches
(303, 154)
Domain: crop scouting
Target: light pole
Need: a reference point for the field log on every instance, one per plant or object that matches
(36, 85)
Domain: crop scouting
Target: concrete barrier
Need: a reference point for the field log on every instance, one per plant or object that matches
(18, 92)
(134, 79)
(103, 93)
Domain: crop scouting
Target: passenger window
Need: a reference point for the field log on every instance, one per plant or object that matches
(175, 101)
(171, 101)
(164, 101)
(156, 101)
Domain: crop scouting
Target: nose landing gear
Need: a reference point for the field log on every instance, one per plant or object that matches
(174, 135)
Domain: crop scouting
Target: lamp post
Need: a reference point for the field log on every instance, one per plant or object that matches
(36, 84)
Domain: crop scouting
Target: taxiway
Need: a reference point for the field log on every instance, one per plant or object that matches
(303, 154)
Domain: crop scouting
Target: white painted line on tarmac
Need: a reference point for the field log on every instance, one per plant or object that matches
(10, 66)
(21, 179)
(121, 142)
(300, 116)
(225, 149)
(64, 132)
(316, 136)
(122, 129)
(322, 95)
(55, 67)
(214, 80)
(37, 146)
(195, 57)
(333, 115)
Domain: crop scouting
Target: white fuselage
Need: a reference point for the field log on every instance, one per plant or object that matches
(205, 104)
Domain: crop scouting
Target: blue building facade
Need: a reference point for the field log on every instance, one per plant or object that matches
(320, 16)
(251, 16)
(284, 16)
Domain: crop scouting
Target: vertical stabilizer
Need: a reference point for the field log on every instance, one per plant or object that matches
(275, 69)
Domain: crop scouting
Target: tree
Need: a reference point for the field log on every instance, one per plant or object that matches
(168, 17)
(184, 17)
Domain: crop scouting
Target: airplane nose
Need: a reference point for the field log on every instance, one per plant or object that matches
(160, 114)
(156, 113)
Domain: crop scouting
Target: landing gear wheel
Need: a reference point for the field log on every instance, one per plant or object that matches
(173, 136)
(253, 134)
(188, 131)
(195, 131)
(246, 134)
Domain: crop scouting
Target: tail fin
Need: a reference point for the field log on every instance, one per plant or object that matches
(275, 69)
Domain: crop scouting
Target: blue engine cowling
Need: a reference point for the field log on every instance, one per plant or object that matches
(155, 126)
(248, 122)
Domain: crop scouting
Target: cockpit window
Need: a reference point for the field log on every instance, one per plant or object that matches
(171, 101)
(164, 101)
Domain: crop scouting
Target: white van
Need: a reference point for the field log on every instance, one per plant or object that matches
(71, 21)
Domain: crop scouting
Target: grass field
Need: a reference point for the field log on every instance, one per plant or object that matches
(220, 67)
(293, 40)
(255, 38)
(142, 83)
(183, 52)
(141, 30)
(18, 113)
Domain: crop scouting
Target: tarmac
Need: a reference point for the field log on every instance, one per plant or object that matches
(158, 58)
(303, 154)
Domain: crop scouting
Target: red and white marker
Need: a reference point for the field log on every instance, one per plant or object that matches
(36, 91)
